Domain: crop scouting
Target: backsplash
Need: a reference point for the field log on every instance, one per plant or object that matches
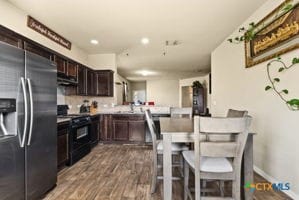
(74, 102)
(60, 95)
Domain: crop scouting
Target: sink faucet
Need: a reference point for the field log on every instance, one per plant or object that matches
(132, 107)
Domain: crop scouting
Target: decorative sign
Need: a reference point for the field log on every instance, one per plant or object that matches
(44, 30)
(278, 33)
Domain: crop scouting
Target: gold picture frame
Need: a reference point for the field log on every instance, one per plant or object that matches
(276, 34)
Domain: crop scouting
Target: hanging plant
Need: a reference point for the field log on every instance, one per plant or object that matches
(293, 104)
(197, 84)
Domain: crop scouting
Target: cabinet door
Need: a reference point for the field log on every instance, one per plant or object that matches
(62, 148)
(94, 132)
(36, 49)
(137, 131)
(81, 88)
(11, 38)
(120, 130)
(105, 83)
(105, 128)
(61, 64)
(90, 83)
(72, 69)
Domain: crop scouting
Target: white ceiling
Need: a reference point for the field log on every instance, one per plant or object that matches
(119, 25)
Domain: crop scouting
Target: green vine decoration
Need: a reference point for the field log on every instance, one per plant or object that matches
(248, 34)
(293, 104)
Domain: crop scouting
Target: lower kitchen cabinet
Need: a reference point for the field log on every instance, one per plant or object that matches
(137, 131)
(62, 144)
(95, 129)
(125, 128)
(120, 130)
(105, 128)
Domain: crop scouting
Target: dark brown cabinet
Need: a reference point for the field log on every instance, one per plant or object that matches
(104, 79)
(125, 128)
(81, 88)
(120, 130)
(105, 128)
(71, 69)
(62, 144)
(95, 129)
(60, 63)
(198, 101)
(10, 38)
(137, 131)
(91, 83)
(39, 50)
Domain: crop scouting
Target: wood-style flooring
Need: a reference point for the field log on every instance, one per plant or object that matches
(120, 172)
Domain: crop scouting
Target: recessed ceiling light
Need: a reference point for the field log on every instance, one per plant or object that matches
(144, 40)
(93, 41)
(145, 72)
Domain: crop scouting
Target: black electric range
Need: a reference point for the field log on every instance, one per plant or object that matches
(79, 134)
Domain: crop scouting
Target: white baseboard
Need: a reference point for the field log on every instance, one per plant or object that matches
(269, 178)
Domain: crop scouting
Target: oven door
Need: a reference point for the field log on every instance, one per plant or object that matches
(81, 136)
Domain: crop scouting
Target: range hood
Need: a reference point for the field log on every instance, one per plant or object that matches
(65, 80)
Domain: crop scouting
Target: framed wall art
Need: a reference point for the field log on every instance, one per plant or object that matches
(276, 34)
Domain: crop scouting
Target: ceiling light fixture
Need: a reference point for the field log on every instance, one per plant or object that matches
(144, 40)
(93, 41)
(145, 72)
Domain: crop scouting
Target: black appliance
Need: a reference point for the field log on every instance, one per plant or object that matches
(79, 134)
(79, 138)
(28, 134)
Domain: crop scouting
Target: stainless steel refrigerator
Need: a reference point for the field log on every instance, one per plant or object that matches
(28, 134)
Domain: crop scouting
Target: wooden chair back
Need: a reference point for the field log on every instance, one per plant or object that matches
(151, 126)
(239, 127)
(181, 112)
(236, 113)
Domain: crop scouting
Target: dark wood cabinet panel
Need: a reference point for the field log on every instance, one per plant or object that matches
(10, 38)
(198, 101)
(72, 68)
(95, 128)
(105, 128)
(120, 130)
(60, 63)
(39, 50)
(105, 81)
(91, 84)
(81, 88)
(62, 144)
(137, 131)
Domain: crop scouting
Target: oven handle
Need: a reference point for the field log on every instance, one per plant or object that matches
(79, 126)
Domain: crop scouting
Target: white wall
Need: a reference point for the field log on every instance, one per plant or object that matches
(102, 61)
(189, 81)
(16, 20)
(163, 92)
(140, 88)
(276, 145)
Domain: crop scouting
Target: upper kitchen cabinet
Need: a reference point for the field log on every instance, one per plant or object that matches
(10, 37)
(60, 63)
(71, 69)
(91, 83)
(82, 85)
(39, 50)
(105, 81)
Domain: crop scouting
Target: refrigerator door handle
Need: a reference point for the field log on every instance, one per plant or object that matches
(31, 111)
(26, 111)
